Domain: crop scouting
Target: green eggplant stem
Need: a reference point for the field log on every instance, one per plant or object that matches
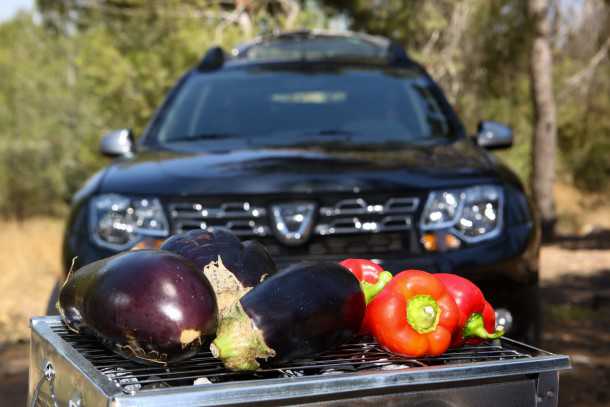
(238, 342)
(475, 328)
(371, 290)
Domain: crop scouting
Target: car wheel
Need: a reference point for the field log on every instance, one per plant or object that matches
(524, 304)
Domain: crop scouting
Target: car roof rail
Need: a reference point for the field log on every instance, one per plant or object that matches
(390, 50)
(213, 59)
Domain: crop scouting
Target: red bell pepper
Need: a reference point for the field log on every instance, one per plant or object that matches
(477, 317)
(414, 315)
(371, 276)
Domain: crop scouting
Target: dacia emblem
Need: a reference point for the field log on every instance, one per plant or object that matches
(293, 222)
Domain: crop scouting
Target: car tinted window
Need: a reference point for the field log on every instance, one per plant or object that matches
(360, 106)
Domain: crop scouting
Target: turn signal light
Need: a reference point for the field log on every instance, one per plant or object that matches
(439, 241)
(148, 244)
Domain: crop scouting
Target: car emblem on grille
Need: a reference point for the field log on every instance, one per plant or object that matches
(293, 222)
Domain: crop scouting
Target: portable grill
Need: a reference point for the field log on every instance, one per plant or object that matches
(67, 369)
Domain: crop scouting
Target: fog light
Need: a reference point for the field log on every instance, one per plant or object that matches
(440, 241)
(148, 244)
(452, 242)
(504, 319)
(429, 242)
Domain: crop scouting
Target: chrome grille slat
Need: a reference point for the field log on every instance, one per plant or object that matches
(226, 210)
(345, 217)
(401, 205)
(351, 357)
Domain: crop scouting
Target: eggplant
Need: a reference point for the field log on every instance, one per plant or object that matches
(150, 306)
(301, 311)
(232, 267)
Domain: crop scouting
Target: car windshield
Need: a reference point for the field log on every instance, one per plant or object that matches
(276, 107)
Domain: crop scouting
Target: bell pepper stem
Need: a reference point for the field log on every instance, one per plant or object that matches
(475, 328)
(423, 313)
(371, 290)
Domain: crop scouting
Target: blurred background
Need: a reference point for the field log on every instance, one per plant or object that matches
(71, 70)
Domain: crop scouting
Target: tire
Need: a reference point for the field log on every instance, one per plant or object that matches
(51, 304)
(527, 314)
(524, 303)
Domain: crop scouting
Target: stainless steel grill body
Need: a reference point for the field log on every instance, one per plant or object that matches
(75, 370)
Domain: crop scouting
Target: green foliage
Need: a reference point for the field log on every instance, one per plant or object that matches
(78, 70)
(478, 50)
(75, 70)
(583, 119)
(584, 136)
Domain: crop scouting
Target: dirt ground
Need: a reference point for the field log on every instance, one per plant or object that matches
(576, 304)
(30, 265)
(576, 300)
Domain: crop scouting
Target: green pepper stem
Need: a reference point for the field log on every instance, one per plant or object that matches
(371, 290)
(475, 328)
(423, 313)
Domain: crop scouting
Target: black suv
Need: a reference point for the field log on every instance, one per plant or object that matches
(322, 146)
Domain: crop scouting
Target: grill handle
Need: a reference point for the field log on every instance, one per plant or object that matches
(48, 376)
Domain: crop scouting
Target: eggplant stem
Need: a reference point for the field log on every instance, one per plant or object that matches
(71, 270)
(238, 341)
(226, 286)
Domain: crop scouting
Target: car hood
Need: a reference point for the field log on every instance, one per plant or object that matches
(303, 170)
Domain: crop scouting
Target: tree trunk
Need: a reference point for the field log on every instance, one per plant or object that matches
(544, 144)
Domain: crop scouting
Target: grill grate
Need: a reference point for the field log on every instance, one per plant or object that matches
(203, 368)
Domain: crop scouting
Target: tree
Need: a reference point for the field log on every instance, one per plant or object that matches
(544, 145)
(76, 69)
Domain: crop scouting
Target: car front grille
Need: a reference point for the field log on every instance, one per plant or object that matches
(334, 216)
(242, 218)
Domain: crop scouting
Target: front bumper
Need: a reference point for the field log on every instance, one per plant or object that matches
(512, 256)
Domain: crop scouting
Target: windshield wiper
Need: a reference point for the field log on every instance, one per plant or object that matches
(207, 136)
(305, 138)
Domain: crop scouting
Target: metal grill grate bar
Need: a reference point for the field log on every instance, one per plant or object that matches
(359, 356)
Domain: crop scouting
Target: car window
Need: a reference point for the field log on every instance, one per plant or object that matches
(360, 106)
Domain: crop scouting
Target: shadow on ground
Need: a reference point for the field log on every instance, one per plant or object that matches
(597, 240)
(577, 322)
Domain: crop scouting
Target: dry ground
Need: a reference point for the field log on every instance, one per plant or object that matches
(576, 298)
(576, 304)
(30, 265)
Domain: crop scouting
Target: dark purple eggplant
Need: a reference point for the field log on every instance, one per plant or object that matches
(299, 312)
(232, 267)
(150, 306)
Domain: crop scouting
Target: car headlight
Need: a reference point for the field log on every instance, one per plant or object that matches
(118, 222)
(473, 214)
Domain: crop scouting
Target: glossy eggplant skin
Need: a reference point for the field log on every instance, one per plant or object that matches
(151, 306)
(249, 261)
(306, 309)
(257, 263)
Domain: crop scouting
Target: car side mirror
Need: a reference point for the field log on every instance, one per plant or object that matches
(494, 135)
(118, 143)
